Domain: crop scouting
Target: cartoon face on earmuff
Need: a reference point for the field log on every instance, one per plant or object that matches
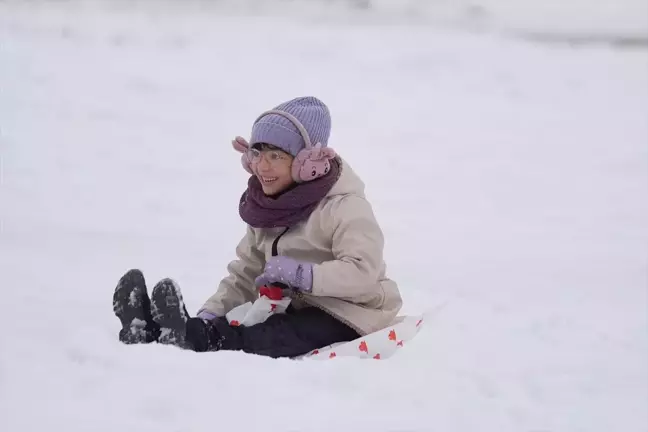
(312, 163)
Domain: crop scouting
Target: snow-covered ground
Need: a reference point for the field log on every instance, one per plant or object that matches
(511, 180)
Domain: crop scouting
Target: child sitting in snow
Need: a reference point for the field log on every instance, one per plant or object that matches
(310, 230)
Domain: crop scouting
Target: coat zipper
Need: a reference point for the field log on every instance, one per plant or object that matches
(275, 243)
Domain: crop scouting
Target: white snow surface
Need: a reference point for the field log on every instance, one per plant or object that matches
(510, 178)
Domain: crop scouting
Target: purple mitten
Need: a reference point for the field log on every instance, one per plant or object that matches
(207, 316)
(297, 275)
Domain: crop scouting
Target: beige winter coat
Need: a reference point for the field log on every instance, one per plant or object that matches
(343, 240)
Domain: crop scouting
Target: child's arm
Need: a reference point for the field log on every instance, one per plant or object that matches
(238, 287)
(357, 244)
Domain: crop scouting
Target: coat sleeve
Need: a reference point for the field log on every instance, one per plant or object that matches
(238, 287)
(357, 245)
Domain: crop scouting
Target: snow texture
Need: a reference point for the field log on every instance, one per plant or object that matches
(510, 178)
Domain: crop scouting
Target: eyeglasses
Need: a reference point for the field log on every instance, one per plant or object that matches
(273, 157)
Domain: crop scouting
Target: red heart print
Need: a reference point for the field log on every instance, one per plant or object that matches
(392, 335)
(400, 344)
(377, 356)
(363, 347)
(235, 323)
(332, 355)
(315, 352)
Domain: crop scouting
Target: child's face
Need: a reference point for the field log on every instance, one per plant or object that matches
(273, 168)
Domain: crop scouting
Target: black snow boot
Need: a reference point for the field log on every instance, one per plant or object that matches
(203, 335)
(132, 306)
(169, 312)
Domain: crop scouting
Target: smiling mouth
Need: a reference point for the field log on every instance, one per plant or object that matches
(268, 180)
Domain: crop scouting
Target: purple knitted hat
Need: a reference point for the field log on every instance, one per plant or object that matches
(280, 132)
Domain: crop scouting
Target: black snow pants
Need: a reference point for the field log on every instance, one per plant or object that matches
(290, 334)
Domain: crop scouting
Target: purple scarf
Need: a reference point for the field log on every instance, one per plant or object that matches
(295, 205)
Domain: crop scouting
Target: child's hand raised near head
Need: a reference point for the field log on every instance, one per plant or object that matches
(298, 275)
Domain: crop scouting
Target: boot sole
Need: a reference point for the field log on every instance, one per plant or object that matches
(128, 305)
(169, 312)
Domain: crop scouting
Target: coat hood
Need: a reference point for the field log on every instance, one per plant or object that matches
(348, 183)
